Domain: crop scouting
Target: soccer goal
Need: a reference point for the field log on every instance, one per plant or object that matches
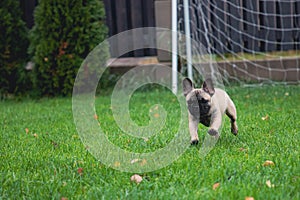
(248, 41)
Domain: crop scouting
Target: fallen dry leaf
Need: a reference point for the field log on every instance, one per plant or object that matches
(35, 135)
(75, 136)
(134, 161)
(216, 185)
(80, 171)
(156, 115)
(54, 144)
(268, 163)
(136, 178)
(242, 149)
(268, 182)
(249, 198)
(143, 162)
(26, 130)
(265, 118)
(117, 164)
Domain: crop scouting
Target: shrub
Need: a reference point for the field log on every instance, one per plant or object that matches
(63, 35)
(13, 48)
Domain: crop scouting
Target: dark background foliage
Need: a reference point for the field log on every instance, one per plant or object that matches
(63, 35)
(13, 49)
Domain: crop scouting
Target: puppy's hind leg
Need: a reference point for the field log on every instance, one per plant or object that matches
(231, 113)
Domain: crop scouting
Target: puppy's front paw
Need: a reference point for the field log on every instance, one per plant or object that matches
(194, 142)
(234, 131)
(213, 132)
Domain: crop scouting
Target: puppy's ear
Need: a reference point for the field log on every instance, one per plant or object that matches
(187, 86)
(208, 87)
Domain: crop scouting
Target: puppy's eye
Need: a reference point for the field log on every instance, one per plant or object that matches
(204, 100)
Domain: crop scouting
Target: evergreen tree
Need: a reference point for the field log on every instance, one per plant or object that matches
(13, 47)
(63, 35)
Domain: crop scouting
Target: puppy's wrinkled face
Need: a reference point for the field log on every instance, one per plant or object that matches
(198, 102)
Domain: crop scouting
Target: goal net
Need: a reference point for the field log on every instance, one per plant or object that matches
(250, 41)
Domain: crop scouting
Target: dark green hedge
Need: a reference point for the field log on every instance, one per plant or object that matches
(13, 48)
(63, 35)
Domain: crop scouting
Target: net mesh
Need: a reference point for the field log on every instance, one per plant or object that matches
(253, 41)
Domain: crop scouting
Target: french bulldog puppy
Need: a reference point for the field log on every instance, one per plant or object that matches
(207, 106)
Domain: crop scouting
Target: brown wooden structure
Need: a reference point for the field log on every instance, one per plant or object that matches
(123, 15)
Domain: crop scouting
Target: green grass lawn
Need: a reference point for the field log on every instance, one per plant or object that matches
(42, 157)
